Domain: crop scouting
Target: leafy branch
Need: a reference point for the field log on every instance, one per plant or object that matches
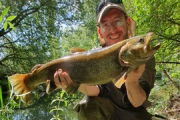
(169, 77)
(7, 20)
(15, 21)
(168, 62)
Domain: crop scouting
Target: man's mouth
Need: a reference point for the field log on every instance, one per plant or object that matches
(114, 36)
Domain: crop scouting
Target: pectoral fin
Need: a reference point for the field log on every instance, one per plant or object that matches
(50, 86)
(120, 82)
(72, 89)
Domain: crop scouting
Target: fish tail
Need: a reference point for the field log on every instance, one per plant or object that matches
(19, 86)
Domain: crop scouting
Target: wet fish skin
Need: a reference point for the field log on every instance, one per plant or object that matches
(93, 67)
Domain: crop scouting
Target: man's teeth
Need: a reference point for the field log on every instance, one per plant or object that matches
(114, 36)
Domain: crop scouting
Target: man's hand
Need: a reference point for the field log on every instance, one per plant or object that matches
(134, 75)
(62, 79)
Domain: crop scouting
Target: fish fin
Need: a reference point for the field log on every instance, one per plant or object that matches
(47, 86)
(50, 86)
(36, 67)
(120, 82)
(72, 89)
(19, 87)
(76, 49)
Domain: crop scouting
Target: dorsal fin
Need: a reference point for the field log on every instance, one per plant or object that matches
(36, 67)
(76, 49)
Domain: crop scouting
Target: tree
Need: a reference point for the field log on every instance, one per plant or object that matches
(39, 26)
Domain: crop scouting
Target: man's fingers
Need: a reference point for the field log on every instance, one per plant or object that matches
(57, 79)
(62, 79)
(68, 79)
(141, 68)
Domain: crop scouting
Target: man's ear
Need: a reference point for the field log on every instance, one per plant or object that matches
(101, 39)
(99, 32)
(131, 27)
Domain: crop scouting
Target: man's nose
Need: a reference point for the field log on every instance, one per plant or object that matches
(113, 28)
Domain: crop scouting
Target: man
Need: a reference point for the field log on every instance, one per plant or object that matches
(110, 102)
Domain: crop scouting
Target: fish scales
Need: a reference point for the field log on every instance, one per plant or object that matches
(86, 72)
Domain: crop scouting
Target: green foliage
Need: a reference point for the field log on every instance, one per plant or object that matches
(82, 38)
(1, 97)
(1, 18)
(161, 17)
(8, 103)
(5, 11)
(8, 20)
(60, 113)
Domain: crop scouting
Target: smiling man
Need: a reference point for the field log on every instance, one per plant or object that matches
(110, 102)
(113, 26)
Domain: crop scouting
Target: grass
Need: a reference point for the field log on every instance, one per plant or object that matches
(7, 104)
(1, 97)
(160, 98)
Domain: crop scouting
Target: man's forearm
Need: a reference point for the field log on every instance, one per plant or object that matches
(89, 90)
(136, 94)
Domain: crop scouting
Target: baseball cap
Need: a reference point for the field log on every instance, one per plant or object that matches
(103, 7)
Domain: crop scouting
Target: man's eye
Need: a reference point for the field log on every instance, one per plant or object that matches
(118, 22)
(106, 25)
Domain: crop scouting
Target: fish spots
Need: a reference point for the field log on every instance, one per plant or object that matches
(92, 65)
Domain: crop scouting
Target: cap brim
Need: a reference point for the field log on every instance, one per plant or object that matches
(107, 7)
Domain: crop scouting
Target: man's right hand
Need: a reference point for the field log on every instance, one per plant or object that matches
(62, 79)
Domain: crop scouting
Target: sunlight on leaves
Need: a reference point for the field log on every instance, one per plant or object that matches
(1, 18)
(10, 18)
(5, 11)
(5, 25)
(1, 97)
(11, 25)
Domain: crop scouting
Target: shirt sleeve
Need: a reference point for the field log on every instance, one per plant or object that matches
(118, 97)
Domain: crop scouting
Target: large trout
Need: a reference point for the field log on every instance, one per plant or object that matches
(93, 67)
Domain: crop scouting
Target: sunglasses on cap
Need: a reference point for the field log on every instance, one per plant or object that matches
(104, 2)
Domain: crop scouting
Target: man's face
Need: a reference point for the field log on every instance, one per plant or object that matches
(113, 27)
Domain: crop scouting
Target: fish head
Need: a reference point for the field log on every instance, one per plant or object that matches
(137, 50)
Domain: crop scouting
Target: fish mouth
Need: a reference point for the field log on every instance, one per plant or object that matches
(123, 62)
(147, 48)
(147, 42)
(148, 53)
(153, 49)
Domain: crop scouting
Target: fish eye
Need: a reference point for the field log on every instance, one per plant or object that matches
(141, 40)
